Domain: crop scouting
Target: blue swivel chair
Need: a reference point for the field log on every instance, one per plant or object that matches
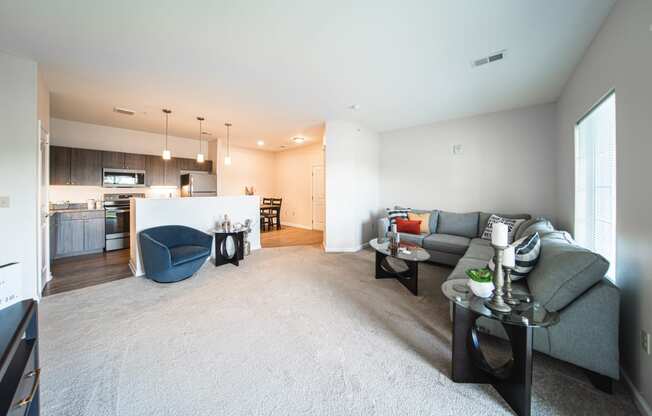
(171, 253)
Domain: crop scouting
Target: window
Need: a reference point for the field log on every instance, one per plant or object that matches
(595, 181)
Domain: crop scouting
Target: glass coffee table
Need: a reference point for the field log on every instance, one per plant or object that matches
(513, 380)
(409, 255)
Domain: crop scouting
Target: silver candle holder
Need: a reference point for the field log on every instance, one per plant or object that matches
(509, 297)
(497, 303)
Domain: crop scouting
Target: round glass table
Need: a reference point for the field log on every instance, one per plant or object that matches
(513, 379)
(401, 264)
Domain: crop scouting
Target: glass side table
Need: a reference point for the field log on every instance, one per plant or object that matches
(513, 380)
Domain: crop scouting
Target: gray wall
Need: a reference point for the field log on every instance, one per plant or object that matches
(620, 57)
(18, 166)
(507, 163)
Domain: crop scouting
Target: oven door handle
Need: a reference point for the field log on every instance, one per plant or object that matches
(117, 210)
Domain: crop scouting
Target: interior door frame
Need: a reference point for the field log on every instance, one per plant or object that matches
(312, 195)
(43, 243)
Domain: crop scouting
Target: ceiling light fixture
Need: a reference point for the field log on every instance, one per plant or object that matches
(123, 110)
(227, 158)
(167, 155)
(260, 143)
(200, 155)
(298, 140)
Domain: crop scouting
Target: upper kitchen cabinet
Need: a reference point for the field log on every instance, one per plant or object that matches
(85, 167)
(135, 162)
(172, 172)
(59, 165)
(155, 168)
(192, 164)
(113, 160)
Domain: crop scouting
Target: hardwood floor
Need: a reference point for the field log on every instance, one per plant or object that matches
(82, 271)
(291, 236)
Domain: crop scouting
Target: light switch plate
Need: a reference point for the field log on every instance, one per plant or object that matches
(4, 202)
(458, 149)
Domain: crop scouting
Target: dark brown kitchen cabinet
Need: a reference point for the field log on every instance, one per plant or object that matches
(192, 164)
(113, 160)
(85, 167)
(172, 172)
(155, 171)
(135, 162)
(59, 165)
(208, 166)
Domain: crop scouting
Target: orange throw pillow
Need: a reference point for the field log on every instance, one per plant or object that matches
(408, 226)
(424, 218)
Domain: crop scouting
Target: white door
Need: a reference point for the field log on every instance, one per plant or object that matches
(318, 200)
(44, 209)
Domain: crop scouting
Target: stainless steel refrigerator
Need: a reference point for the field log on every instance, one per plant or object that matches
(198, 184)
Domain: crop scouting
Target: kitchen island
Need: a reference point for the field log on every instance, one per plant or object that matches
(199, 213)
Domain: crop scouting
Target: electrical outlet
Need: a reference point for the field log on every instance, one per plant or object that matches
(645, 342)
(4, 202)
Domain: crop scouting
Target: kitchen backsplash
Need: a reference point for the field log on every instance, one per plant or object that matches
(81, 194)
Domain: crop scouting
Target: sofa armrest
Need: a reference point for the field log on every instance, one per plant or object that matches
(156, 256)
(204, 240)
(383, 226)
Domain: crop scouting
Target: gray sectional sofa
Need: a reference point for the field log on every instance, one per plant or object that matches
(567, 279)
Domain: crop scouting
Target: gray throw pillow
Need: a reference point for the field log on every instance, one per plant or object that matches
(535, 225)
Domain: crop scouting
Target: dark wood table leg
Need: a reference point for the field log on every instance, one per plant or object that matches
(408, 278)
(513, 381)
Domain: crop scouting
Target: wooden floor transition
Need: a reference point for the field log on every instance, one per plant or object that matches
(291, 236)
(82, 271)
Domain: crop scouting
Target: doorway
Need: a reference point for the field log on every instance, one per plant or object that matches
(318, 199)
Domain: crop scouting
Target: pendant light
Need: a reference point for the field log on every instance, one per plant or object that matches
(200, 155)
(227, 158)
(167, 155)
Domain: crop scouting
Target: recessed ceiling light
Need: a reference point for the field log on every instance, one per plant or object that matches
(206, 133)
(123, 110)
(260, 143)
(283, 146)
(298, 140)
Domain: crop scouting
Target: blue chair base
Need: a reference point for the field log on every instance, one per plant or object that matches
(178, 273)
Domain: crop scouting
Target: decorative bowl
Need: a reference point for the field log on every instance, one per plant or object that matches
(480, 282)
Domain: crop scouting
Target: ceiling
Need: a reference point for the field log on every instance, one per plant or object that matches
(278, 69)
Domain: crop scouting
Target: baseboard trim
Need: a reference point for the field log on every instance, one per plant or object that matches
(639, 400)
(291, 224)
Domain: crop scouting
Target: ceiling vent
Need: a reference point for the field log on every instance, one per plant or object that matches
(125, 111)
(494, 57)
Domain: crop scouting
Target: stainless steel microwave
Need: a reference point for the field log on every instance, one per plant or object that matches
(123, 178)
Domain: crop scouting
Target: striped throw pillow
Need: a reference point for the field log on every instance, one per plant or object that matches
(527, 251)
(394, 213)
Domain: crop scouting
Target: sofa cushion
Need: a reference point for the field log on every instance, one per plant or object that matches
(447, 243)
(484, 218)
(464, 225)
(535, 225)
(564, 271)
(480, 249)
(184, 254)
(413, 238)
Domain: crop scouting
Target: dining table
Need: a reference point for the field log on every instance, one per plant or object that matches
(277, 211)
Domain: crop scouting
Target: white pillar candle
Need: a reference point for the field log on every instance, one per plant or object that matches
(509, 257)
(499, 235)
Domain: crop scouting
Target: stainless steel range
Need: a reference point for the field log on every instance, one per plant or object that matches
(116, 208)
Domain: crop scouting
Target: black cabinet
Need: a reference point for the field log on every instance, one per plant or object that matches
(85, 167)
(155, 171)
(134, 161)
(59, 165)
(20, 374)
(113, 160)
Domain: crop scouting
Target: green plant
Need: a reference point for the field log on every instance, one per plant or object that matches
(480, 275)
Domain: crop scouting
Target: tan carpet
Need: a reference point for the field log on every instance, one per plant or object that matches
(292, 331)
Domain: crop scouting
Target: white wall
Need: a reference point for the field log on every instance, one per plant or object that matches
(620, 57)
(249, 168)
(18, 167)
(352, 185)
(507, 164)
(293, 176)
